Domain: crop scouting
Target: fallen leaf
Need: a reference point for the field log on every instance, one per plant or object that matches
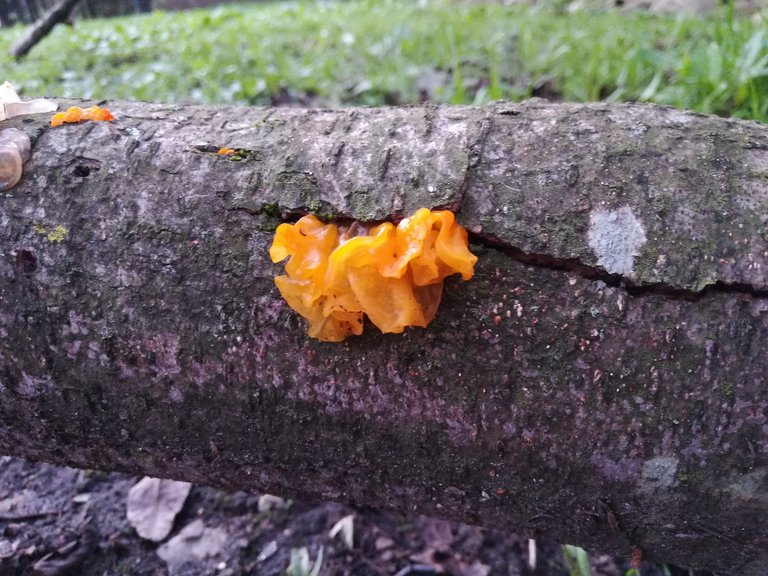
(267, 552)
(384, 542)
(25, 504)
(425, 557)
(345, 526)
(269, 502)
(438, 534)
(66, 559)
(153, 504)
(7, 549)
(194, 542)
(477, 568)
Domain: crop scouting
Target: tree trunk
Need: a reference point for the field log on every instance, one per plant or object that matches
(40, 29)
(602, 379)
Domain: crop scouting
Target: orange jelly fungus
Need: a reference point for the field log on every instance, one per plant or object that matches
(77, 114)
(394, 274)
(225, 151)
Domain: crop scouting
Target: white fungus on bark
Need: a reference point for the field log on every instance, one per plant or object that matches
(616, 236)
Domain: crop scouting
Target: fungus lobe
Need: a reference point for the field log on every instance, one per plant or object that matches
(392, 274)
(77, 114)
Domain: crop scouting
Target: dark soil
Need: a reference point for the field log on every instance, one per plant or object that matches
(56, 521)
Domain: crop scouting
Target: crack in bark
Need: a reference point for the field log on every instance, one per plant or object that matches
(247, 210)
(598, 274)
(549, 262)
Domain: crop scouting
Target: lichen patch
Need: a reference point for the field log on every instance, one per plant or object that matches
(658, 473)
(616, 236)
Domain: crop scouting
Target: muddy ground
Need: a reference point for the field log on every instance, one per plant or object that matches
(56, 521)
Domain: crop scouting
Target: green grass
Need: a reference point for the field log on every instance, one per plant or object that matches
(576, 560)
(378, 51)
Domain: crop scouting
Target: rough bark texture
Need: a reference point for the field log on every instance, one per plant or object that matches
(602, 379)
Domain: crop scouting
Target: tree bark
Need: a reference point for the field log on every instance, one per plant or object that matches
(602, 379)
(40, 29)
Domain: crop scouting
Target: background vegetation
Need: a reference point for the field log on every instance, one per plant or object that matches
(398, 51)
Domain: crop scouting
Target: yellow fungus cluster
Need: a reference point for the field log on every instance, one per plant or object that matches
(393, 274)
(75, 114)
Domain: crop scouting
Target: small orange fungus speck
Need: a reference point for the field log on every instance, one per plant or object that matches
(392, 274)
(77, 114)
(225, 151)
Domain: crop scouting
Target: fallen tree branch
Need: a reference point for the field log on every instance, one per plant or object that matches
(59, 12)
(602, 379)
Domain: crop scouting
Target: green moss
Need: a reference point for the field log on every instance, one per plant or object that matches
(268, 225)
(365, 206)
(727, 392)
(271, 209)
(695, 476)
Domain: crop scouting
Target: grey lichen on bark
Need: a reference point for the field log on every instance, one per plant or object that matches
(602, 378)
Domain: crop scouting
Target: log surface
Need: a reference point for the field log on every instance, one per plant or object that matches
(602, 379)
